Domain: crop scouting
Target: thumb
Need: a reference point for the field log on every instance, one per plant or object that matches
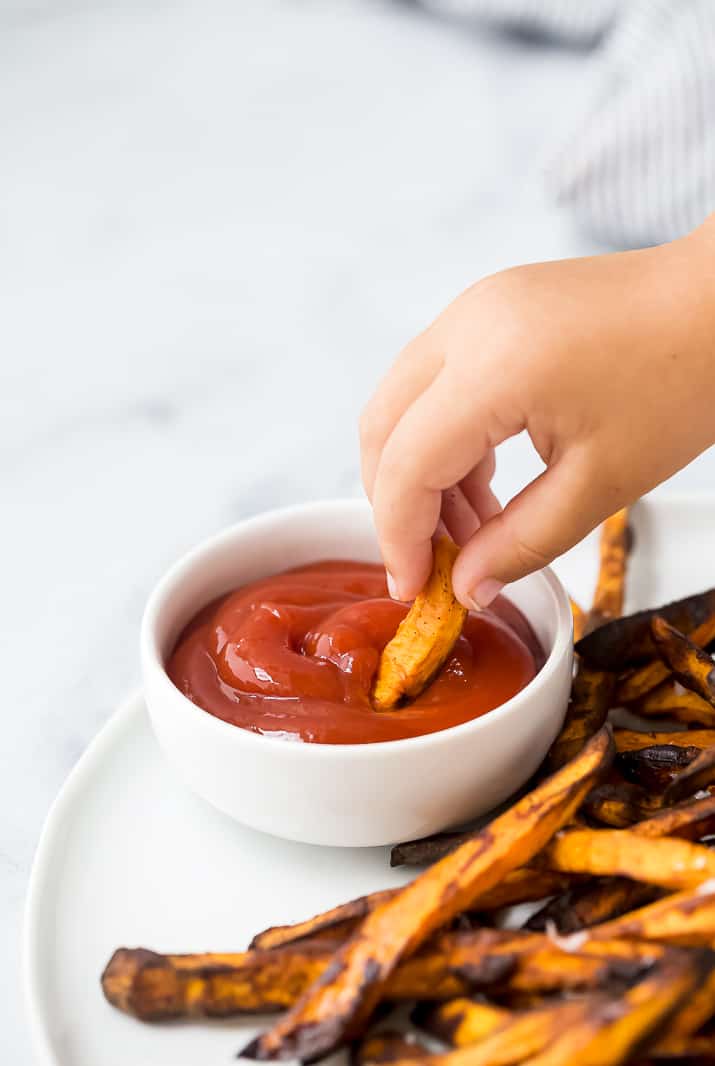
(550, 515)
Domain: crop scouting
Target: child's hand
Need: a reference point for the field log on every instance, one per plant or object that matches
(608, 363)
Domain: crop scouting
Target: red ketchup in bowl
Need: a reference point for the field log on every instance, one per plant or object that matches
(294, 656)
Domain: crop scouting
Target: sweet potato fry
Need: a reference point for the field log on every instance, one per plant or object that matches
(671, 700)
(626, 642)
(508, 963)
(579, 619)
(689, 821)
(155, 987)
(655, 767)
(692, 1015)
(630, 740)
(608, 1035)
(643, 680)
(378, 1049)
(335, 922)
(690, 665)
(629, 957)
(519, 886)
(551, 970)
(500, 962)
(337, 1007)
(520, 1036)
(610, 586)
(586, 905)
(592, 689)
(487, 957)
(429, 849)
(424, 638)
(664, 861)
(587, 710)
(685, 919)
(698, 775)
(620, 804)
(460, 1021)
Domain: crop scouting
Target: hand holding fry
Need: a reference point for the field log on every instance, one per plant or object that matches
(425, 637)
(560, 350)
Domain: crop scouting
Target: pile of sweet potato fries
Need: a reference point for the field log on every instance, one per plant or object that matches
(616, 963)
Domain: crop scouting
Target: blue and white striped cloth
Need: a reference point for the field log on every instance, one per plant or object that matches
(640, 169)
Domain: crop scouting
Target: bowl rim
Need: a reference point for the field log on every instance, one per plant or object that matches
(185, 565)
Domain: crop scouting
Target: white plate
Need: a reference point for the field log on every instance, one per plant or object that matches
(129, 857)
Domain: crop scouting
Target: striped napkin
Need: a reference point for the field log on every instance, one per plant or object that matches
(640, 168)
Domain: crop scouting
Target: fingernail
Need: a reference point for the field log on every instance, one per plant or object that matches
(392, 586)
(485, 593)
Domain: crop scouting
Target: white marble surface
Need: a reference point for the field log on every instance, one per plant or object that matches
(220, 221)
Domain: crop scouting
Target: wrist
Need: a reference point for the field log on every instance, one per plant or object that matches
(688, 313)
(692, 260)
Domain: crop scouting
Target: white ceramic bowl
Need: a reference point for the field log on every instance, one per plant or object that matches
(344, 794)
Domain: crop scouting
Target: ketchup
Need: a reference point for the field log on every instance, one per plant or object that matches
(294, 656)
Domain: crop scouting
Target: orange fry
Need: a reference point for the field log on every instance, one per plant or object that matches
(671, 700)
(587, 711)
(691, 666)
(684, 919)
(643, 680)
(425, 637)
(579, 619)
(610, 585)
(607, 1036)
(334, 922)
(665, 861)
(519, 886)
(518, 1036)
(630, 740)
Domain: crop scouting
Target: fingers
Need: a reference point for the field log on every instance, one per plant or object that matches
(549, 516)
(412, 372)
(436, 443)
(476, 487)
(458, 516)
(471, 503)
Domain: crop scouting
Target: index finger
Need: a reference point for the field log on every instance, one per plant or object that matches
(412, 372)
(435, 444)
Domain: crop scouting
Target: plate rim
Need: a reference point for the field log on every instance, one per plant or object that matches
(121, 719)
